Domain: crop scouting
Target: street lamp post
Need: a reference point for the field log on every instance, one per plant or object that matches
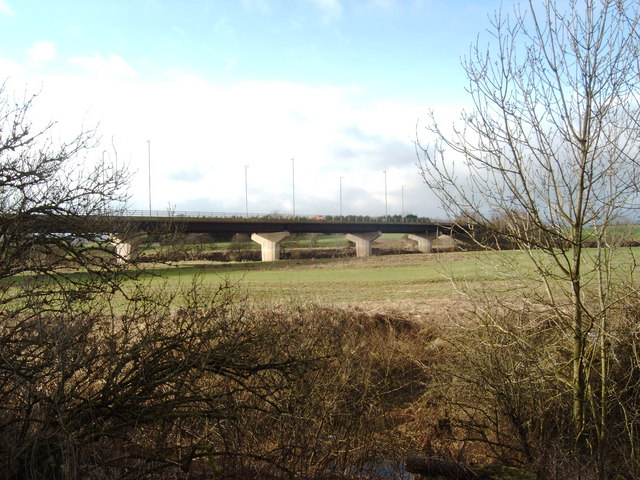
(403, 202)
(149, 165)
(386, 214)
(246, 192)
(293, 185)
(102, 166)
(341, 197)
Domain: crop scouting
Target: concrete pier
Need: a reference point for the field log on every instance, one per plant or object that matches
(425, 240)
(270, 243)
(126, 246)
(363, 242)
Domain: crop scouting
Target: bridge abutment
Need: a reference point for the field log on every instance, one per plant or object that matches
(270, 244)
(363, 242)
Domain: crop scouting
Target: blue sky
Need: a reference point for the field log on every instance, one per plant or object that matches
(217, 85)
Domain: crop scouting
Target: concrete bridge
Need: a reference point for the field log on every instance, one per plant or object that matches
(269, 232)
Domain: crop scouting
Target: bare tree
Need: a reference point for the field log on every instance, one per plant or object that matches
(547, 158)
(53, 200)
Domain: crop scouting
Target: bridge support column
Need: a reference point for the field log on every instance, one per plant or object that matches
(270, 243)
(363, 242)
(425, 240)
(126, 246)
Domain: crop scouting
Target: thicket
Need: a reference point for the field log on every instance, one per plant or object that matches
(201, 385)
(503, 393)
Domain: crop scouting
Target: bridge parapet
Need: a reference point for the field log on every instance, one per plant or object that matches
(253, 217)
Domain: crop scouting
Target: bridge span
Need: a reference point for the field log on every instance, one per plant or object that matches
(269, 232)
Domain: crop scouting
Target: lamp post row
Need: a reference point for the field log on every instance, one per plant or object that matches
(246, 192)
(293, 187)
(293, 192)
(149, 164)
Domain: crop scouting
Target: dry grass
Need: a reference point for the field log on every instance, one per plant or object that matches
(418, 284)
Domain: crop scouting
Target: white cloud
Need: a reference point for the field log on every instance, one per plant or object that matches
(112, 67)
(42, 52)
(203, 134)
(10, 68)
(190, 175)
(5, 8)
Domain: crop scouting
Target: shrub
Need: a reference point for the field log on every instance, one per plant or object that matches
(200, 383)
(504, 394)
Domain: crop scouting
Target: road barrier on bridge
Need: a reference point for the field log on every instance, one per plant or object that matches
(282, 216)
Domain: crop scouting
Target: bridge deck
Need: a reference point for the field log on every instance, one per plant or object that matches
(252, 225)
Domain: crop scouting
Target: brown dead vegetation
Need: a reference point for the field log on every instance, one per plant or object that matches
(211, 389)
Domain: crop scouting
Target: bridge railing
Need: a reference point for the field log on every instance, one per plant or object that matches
(283, 216)
(189, 214)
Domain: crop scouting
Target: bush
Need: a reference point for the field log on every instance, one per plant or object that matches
(503, 394)
(201, 383)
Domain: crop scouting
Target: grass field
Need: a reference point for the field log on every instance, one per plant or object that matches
(413, 282)
(418, 283)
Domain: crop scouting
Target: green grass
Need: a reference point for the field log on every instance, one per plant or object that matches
(410, 281)
(629, 233)
(411, 278)
(407, 281)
